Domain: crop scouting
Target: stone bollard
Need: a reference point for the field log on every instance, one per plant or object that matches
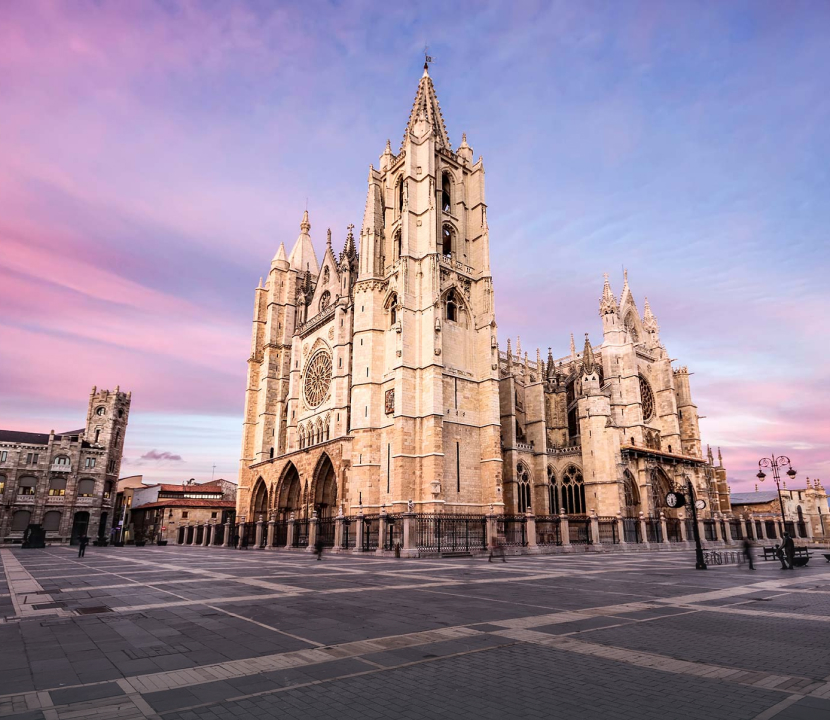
(492, 529)
(240, 531)
(664, 528)
(620, 529)
(272, 527)
(718, 529)
(260, 530)
(727, 532)
(358, 538)
(530, 528)
(643, 531)
(683, 533)
(564, 530)
(338, 532)
(383, 529)
(289, 534)
(701, 530)
(226, 541)
(410, 535)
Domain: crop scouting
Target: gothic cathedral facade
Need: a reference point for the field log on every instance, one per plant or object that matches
(375, 379)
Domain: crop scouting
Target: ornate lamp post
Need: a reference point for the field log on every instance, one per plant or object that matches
(776, 463)
(700, 562)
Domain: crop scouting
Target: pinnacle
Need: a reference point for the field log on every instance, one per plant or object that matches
(426, 106)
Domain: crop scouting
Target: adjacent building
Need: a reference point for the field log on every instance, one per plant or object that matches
(65, 481)
(805, 509)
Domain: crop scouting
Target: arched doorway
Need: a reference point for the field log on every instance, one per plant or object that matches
(660, 487)
(79, 526)
(631, 496)
(102, 526)
(290, 493)
(259, 501)
(325, 488)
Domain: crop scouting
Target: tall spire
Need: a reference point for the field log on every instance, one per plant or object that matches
(607, 303)
(625, 295)
(649, 321)
(587, 357)
(426, 107)
(509, 357)
(280, 256)
(519, 346)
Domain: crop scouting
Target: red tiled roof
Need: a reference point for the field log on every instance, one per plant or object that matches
(191, 488)
(187, 503)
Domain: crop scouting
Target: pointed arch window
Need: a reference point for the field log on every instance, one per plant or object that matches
(447, 238)
(400, 196)
(452, 306)
(523, 483)
(631, 326)
(326, 275)
(325, 299)
(396, 247)
(632, 495)
(573, 491)
(393, 310)
(446, 197)
(553, 493)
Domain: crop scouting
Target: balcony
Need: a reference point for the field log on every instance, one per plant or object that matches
(61, 467)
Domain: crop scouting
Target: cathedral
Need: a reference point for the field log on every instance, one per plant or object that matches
(376, 380)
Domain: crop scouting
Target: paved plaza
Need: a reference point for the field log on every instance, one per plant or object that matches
(191, 633)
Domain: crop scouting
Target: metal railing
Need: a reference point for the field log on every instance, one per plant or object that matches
(371, 530)
(451, 533)
(735, 529)
(325, 531)
(394, 532)
(631, 530)
(709, 532)
(512, 530)
(548, 530)
(349, 534)
(579, 530)
(673, 532)
(218, 537)
(654, 530)
(608, 531)
(300, 534)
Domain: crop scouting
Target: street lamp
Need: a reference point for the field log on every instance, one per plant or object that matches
(776, 463)
(700, 562)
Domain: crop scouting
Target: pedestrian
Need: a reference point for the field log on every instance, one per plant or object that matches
(779, 553)
(83, 542)
(788, 548)
(497, 548)
(318, 549)
(747, 545)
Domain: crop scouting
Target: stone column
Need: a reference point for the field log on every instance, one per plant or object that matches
(226, 541)
(530, 529)
(564, 532)
(664, 528)
(312, 531)
(338, 532)
(289, 534)
(620, 529)
(272, 527)
(260, 529)
(728, 535)
(410, 535)
(683, 536)
(751, 523)
(206, 535)
(594, 528)
(183, 536)
(240, 530)
(643, 531)
(190, 537)
(808, 526)
(762, 535)
(492, 529)
(701, 531)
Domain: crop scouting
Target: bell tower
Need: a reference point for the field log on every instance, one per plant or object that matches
(425, 408)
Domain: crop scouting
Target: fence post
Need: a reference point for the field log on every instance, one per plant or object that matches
(410, 535)
(272, 527)
(240, 531)
(530, 528)
(620, 529)
(728, 534)
(643, 531)
(313, 529)
(260, 528)
(594, 527)
(383, 527)
(338, 530)
(683, 536)
(664, 528)
(226, 541)
(564, 532)
(718, 528)
(492, 529)
(358, 536)
(289, 534)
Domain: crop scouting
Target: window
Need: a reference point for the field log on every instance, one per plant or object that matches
(107, 489)
(26, 486)
(445, 192)
(647, 398)
(523, 480)
(52, 521)
(400, 197)
(62, 460)
(31, 458)
(3, 455)
(184, 514)
(325, 299)
(97, 435)
(452, 306)
(393, 310)
(89, 462)
(111, 465)
(573, 491)
(101, 411)
(396, 247)
(117, 435)
(57, 487)
(2, 483)
(446, 240)
(21, 520)
(86, 488)
(553, 493)
(214, 515)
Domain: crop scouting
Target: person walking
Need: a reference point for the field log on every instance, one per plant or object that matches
(788, 549)
(747, 547)
(497, 549)
(83, 541)
(318, 549)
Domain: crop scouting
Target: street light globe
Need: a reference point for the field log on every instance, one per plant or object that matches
(761, 475)
(791, 473)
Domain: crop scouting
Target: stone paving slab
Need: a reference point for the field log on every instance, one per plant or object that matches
(209, 633)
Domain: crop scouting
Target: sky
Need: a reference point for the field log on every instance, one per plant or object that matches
(153, 155)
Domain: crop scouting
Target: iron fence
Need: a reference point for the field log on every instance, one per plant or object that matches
(247, 532)
(631, 530)
(548, 530)
(654, 530)
(709, 532)
(770, 528)
(325, 532)
(690, 530)
(512, 530)
(181, 535)
(280, 538)
(348, 536)
(789, 526)
(735, 529)
(673, 532)
(579, 529)
(451, 533)
(802, 528)
(218, 534)
(608, 531)
(300, 534)
(189, 535)
(393, 534)
(371, 529)
(200, 535)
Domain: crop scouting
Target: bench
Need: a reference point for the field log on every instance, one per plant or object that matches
(801, 558)
(827, 557)
(769, 553)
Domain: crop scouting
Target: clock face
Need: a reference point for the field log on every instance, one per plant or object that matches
(672, 500)
(700, 504)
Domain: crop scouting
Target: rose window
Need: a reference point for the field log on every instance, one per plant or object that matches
(647, 398)
(317, 378)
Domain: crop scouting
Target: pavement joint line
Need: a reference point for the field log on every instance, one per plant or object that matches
(771, 712)
(21, 585)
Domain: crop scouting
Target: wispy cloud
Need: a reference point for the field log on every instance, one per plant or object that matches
(156, 455)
